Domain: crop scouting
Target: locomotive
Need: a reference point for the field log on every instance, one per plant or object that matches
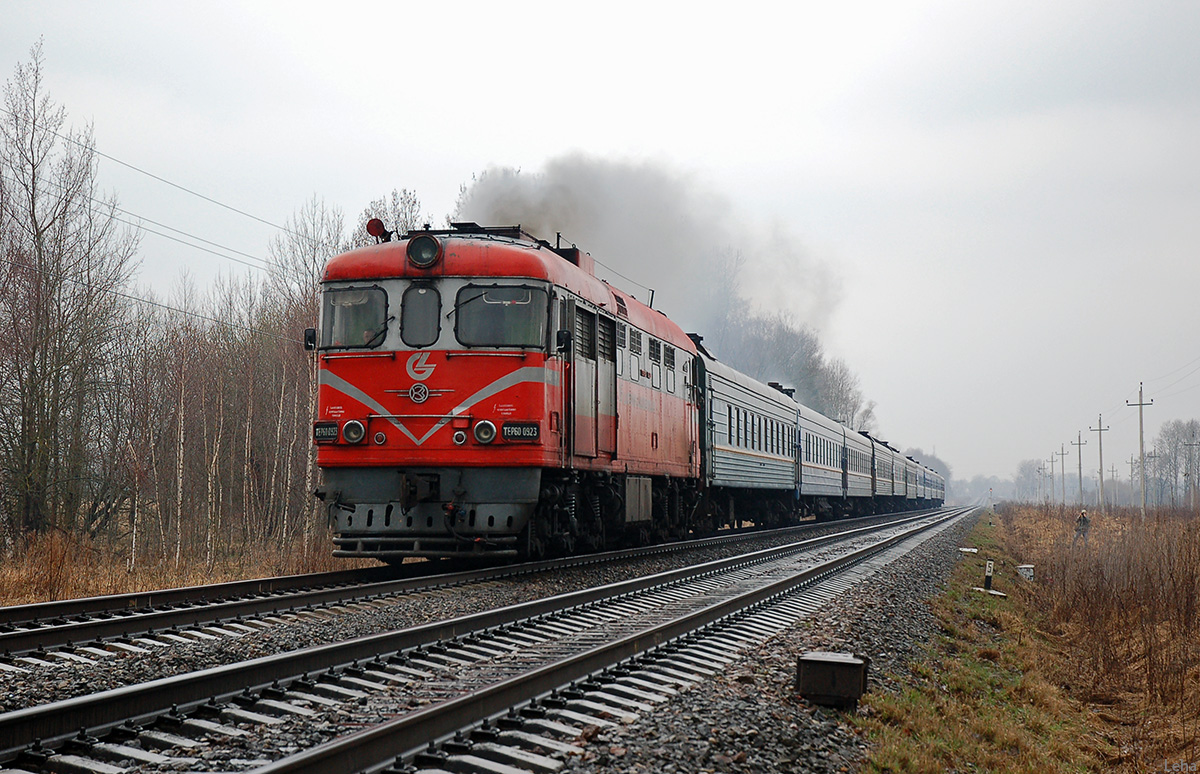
(482, 393)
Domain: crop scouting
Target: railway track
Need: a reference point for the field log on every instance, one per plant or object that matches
(84, 629)
(443, 677)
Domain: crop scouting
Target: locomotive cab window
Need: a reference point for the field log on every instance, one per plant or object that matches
(420, 316)
(354, 317)
(501, 316)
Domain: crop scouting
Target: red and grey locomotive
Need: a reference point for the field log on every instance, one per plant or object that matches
(481, 392)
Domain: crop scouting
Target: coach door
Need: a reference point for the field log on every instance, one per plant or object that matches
(584, 376)
(606, 385)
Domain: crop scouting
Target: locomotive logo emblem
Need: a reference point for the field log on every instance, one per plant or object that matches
(419, 393)
(419, 367)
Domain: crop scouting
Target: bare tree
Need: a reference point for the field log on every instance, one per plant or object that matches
(67, 258)
(1026, 481)
(400, 212)
(842, 397)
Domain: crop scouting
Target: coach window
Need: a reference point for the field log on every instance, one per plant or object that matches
(420, 316)
(501, 316)
(729, 427)
(354, 317)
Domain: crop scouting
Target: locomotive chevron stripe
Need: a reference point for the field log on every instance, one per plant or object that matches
(528, 374)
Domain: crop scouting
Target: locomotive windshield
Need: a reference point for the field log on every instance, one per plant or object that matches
(501, 316)
(420, 316)
(354, 317)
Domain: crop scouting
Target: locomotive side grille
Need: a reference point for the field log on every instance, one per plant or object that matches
(606, 338)
(669, 356)
(635, 342)
(655, 350)
(585, 333)
(621, 335)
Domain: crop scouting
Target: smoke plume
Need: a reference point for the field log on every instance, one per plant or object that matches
(661, 228)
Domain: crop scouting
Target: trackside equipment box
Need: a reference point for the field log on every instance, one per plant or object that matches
(832, 679)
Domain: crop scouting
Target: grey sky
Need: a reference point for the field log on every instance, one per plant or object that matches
(1006, 192)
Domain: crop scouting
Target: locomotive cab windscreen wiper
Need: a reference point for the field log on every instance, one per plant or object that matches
(377, 337)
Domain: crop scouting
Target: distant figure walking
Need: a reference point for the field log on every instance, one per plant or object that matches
(1082, 525)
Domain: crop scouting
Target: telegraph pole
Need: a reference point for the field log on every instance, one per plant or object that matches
(1080, 443)
(1062, 452)
(1141, 441)
(1112, 469)
(1102, 430)
(1187, 476)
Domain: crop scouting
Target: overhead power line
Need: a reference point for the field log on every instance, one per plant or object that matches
(167, 307)
(160, 179)
(259, 263)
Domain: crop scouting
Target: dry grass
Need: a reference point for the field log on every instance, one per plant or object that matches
(60, 566)
(1122, 616)
(981, 700)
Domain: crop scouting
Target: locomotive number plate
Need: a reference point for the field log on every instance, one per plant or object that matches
(520, 431)
(325, 432)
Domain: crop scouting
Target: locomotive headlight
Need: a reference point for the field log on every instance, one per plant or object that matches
(353, 431)
(485, 431)
(424, 251)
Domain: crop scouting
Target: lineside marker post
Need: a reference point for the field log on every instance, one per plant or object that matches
(987, 576)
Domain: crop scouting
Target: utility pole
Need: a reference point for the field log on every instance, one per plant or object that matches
(1102, 430)
(1187, 474)
(1062, 452)
(1112, 469)
(1141, 441)
(1079, 451)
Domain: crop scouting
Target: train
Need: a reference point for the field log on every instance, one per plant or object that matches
(482, 393)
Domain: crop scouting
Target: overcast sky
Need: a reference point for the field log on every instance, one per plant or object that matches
(1005, 193)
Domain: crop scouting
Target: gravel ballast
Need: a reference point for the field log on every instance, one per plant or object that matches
(750, 718)
(45, 684)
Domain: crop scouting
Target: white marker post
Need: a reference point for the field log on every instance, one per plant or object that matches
(987, 576)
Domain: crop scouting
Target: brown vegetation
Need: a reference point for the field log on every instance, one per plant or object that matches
(59, 565)
(1121, 615)
(982, 699)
